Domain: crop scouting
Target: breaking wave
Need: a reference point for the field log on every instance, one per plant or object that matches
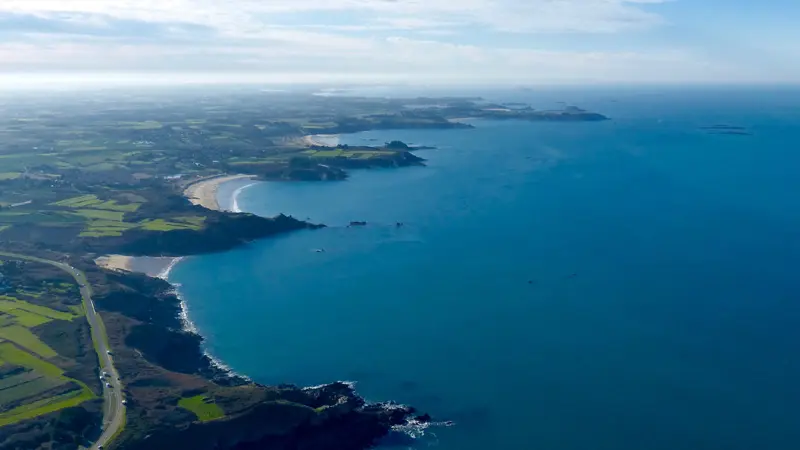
(235, 197)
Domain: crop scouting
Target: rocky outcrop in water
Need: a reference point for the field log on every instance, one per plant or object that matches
(330, 417)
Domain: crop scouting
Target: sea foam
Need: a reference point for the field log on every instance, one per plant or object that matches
(164, 274)
(235, 197)
(187, 323)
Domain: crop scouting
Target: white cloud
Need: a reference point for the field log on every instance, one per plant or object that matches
(349, 39)
(395, 59)
(241, 16)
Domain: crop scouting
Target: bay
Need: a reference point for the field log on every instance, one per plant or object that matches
(619, 285)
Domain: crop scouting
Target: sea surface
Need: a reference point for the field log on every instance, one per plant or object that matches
(624, 285)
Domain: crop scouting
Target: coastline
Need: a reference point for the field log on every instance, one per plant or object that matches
(321, 140)
(210, 194)
(161, 267)
(153, 266)
(204, 192)
(115, 262)
(234, 201)
(186, 321)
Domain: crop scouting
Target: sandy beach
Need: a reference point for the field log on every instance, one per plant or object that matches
(321, 140)
(204, 192)
(115, 262)
(154, 266)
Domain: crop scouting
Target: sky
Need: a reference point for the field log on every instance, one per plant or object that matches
(520, 42)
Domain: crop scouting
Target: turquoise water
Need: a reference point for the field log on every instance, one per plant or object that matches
(621, 285)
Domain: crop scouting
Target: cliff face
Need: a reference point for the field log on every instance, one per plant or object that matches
(163, 363)
(393, 159)
(329, 417)
(157, 331)
(222, 233)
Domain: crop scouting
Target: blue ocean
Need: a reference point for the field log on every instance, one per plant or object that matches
(624, 285)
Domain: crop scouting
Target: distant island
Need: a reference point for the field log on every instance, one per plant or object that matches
(88, 180)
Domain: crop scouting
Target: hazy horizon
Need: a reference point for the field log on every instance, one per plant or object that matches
(24, 82)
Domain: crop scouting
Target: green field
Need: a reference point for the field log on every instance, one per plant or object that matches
(116, 216)
(202, 407)
(104, 218)
(102, 227)
(163, 225)
(79, 202)
(91, 201)
(10, 303)
(195, 221)
(106, 228)
(327, 153)
(12, 355)
(111, 205)
(9, 175)
(29, 389)
(46, 406)
(18, 379)
(28, 319)
(24, 338)
(43, 387)
(41, 377)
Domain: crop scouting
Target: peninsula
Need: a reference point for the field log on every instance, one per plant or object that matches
(92, 353)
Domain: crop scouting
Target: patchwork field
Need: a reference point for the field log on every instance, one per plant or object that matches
(32, 382)
(88, 216)
(30, 386)
(350, 154)
(9, 175)
(178, 223)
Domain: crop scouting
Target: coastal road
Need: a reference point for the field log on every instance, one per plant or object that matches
(113, 409)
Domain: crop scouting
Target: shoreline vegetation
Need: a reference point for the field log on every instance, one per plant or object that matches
(140, 185)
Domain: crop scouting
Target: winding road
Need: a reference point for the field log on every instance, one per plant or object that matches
(113, 409)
